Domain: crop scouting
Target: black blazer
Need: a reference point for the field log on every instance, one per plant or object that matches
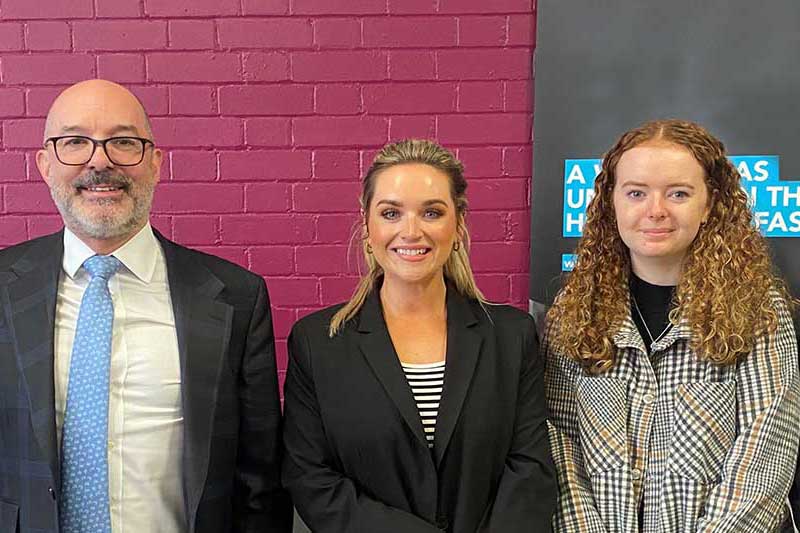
(356, 457)
(229, 386)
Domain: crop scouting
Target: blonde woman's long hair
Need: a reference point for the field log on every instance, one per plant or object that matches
(457, 268)
(727, 283)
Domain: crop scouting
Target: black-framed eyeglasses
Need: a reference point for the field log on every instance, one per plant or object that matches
(77, 150)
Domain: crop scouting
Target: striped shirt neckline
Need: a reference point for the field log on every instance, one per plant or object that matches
(426, 381)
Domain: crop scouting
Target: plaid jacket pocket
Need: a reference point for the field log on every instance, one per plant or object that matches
(602, 421)
(705, 428)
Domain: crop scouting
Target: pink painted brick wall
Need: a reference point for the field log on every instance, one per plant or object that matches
(271, 110)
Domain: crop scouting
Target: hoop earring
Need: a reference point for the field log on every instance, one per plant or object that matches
(456, 246)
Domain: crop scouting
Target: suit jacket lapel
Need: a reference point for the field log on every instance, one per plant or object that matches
(377, 347)
(30, 304)
(463, 348)
(203, 327)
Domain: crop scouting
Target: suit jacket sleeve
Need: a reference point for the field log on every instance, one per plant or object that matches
(325, 498)
(260, 504)
(527, 490)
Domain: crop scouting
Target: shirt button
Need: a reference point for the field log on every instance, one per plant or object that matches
(110, 445)
(52, 493)
(649, 399)
(636, 474)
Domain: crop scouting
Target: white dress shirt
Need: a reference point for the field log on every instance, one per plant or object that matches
(145, 416)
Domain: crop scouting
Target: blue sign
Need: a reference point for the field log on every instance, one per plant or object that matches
(568, 262)
(579, 177)
(775, 203)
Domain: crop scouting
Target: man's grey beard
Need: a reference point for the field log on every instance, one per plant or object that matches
(107, 225)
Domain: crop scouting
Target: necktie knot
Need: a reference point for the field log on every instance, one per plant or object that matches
(102, 266)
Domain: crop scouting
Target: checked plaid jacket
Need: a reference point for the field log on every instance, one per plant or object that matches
(697, 446)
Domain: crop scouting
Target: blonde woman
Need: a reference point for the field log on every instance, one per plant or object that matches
(671, 357)
(416, 407)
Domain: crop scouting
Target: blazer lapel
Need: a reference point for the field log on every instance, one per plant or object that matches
(377, 347)
(463, 349)
(30, 305)
(203, 327)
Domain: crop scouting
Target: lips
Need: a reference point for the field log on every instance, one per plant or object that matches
(102, 183)
(102, 193)
(101, 188)
(417, 253)
(412, 251)
(657, 234)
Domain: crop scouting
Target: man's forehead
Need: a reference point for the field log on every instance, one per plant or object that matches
(97, 116)
(86, 127)
(96, 107)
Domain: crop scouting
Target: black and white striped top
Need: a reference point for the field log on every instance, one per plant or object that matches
(426, 380)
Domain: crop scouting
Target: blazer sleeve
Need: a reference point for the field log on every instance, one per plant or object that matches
(327, 500)
(576, 511)
(526, 494)
(760, 465)
(260, 504)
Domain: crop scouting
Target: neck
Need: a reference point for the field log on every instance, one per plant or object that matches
(657, 271)
(428, 298)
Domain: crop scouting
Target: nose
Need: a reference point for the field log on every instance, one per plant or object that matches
(656, 208)
(411, 229)
(99, 160)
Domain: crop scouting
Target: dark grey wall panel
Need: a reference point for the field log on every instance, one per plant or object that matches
(605, 66)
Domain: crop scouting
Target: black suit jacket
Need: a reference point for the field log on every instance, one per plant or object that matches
(356, 457)
(229, 387)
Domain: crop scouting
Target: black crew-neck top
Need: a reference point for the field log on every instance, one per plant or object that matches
(655, 303)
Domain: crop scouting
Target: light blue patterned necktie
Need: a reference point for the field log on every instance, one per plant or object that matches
(84, 460)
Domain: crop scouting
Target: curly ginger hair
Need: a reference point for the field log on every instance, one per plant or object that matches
(727, 283)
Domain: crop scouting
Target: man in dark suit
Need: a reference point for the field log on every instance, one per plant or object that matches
(190, 439)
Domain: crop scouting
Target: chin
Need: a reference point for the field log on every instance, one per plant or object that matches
(656, 249)
(422, 278)
(105, 225)
(650, 254)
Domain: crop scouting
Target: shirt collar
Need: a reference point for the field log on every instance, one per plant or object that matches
(138, 255)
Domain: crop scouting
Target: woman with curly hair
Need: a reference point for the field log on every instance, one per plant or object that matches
(672, 373)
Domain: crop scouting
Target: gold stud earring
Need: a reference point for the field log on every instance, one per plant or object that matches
(369, 248)
(456, 246)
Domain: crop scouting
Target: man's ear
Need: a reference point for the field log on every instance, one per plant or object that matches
(156, 161)
(43, 163)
